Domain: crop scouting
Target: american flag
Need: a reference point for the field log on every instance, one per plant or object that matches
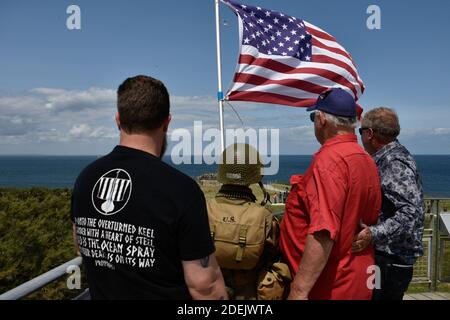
(288, 61)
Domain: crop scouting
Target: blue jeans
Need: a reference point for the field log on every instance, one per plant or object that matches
(395, 278)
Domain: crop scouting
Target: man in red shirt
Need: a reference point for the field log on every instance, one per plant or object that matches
(326, 206)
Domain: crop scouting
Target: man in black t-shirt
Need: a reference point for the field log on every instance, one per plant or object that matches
(141, 226)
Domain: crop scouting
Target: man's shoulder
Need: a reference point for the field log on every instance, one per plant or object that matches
(337, 156)
(398, 157)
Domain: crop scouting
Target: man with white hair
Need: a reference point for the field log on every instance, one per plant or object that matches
(325, 207)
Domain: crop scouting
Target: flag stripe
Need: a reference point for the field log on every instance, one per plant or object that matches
(266, 97)
(282, 68)
(317, 32)
(319, 44)
(293, 83)
(312, 79)
(278, 89)
(323, 52)
(332, 61)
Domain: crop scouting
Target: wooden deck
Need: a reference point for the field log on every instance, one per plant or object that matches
(428, 296)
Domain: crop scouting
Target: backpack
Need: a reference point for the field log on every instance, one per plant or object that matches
(239, 233)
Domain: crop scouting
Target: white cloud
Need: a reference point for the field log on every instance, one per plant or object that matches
(83, 120)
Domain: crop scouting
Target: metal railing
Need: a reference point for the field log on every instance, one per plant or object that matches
(432, 268)
(37, 283)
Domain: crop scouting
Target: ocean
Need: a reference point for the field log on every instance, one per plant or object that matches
(61, 171)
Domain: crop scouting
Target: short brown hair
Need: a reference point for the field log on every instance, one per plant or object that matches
(143, 104)
(384, 123)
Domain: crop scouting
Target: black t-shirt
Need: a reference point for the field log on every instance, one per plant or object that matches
(137, 219)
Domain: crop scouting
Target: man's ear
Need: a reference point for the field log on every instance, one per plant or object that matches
(166, 123)
(322, 119)
(118, 121)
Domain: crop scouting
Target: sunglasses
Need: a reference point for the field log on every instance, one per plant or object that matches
(312, 116)
(361, 130)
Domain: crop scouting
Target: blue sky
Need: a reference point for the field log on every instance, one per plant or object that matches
(57, 87)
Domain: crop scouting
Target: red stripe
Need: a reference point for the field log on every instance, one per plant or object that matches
(320, 34)
(327, 59)
(292, 83)
(282, 68)
(273, 98)
(319, 44)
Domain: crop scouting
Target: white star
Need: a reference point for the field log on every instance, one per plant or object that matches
(260, 21)
(269, 26)
(269, 52)
(298, 54)
(267, 14)
(302, 50)
(258, 8)
(243, 7)
(246, 40)
(308, 45)
(302, 37)
(308, 58)
(272, 38)
(251, 24)
(264, 43)
(284, 54)
(245, 16)
(296, 42)
(294, 18)
(279, 33)
(290, 20)
(246, 29)
(287, 38)
(281, 44)
(275, 20)
(258, 34)
(281, 15)
(291, 49)
(253, 36)
(275, 49)
(252, 14)
(284, 27)
(266, 30)
(293, 32)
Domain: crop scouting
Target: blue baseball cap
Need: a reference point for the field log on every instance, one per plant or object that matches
(337, 102)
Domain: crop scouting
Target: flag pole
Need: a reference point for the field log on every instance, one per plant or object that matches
(219, 75)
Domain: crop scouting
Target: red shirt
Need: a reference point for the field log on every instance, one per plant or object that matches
(339, 189)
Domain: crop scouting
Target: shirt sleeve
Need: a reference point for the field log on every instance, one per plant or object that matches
(402, 190)
(326, 193)
(194, 236)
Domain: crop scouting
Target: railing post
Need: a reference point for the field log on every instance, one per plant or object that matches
(436, 249)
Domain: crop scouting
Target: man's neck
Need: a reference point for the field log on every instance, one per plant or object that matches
(337, 132)
(149, 144)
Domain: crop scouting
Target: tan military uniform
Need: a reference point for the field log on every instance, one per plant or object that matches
(245, 235)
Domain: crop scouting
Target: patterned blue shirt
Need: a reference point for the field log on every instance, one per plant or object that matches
(400, 226)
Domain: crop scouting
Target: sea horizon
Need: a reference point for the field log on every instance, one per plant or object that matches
(59, 171)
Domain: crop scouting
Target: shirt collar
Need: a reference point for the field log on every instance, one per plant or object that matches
(341, 138)
(383, 151)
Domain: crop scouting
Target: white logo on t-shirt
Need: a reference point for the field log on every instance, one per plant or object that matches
(112, 192)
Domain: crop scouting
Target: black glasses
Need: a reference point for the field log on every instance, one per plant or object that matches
(312, 116)
(361, 130)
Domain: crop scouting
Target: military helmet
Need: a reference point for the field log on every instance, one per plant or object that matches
(240, 165)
